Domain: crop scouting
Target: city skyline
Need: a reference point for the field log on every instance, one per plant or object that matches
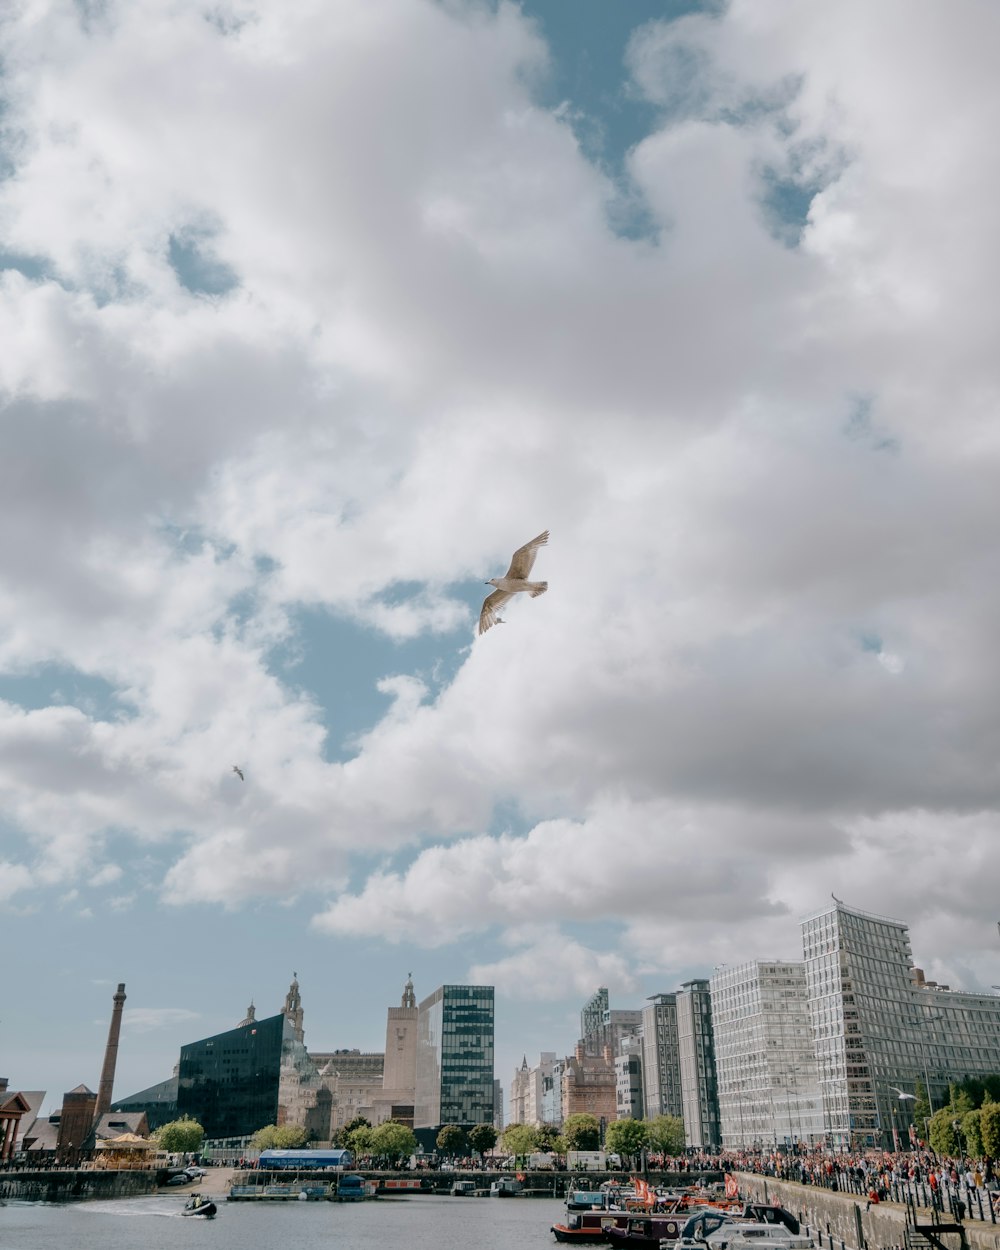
(311, 314)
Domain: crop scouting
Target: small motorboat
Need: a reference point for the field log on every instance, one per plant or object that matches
(197, 1205)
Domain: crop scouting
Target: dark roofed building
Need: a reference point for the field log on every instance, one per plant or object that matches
(158, 1102)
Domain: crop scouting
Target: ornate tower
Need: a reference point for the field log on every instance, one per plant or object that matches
(110, 1054)
(293, 1008)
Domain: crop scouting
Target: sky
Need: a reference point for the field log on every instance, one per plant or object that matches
(311, 312)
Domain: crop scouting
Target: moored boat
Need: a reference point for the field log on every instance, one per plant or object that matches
(644, 1232)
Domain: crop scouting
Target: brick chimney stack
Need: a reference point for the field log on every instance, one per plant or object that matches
(110, 1055)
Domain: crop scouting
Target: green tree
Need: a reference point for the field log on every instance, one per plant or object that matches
(989, 1128)
(666, 1134)
(341, 1136)
(482, 1138)
(548, 1138)
(359, 1140)
(452, 1140)
(519, 1139)
(943, 1138)
(972, 1136)
(280, 1137)
(626, 1138)
(182, 1136)
(582, 1132)
(393, 1141)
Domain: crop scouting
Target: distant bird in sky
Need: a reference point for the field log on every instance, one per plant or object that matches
(239, 772)
(513, 581)
(903, 1094)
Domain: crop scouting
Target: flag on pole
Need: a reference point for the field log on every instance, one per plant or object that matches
(643, 1192)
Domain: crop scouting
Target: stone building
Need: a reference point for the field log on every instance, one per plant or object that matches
(589, 1085)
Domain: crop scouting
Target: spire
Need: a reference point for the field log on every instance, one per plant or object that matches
(409, 998)
(524, 1064)
(110, 1054)
(251, 1016)
(293, 1008)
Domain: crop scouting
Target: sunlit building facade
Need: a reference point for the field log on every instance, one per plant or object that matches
(765, 1059)
(880, 1027)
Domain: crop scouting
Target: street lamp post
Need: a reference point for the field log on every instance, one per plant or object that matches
(919, 1025)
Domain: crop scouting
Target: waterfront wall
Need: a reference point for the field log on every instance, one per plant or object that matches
(75, 1186)
(840, 1216)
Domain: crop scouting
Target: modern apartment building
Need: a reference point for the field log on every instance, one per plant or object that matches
(696, 1057)
(879, 1027)
(661, 1067)
(765, 1059)
(602, 1027)
(454, 1068)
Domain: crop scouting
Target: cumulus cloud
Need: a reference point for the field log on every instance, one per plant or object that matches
(759, 442)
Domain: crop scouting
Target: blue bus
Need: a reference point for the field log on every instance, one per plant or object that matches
(304, 1160)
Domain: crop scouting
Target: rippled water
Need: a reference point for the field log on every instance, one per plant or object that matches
(423, 1222)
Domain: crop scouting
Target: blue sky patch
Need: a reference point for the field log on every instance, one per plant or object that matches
(197, 270)
(59, 685)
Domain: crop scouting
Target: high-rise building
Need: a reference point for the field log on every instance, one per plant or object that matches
(454, 1069)
(764, 1055)
(879, 1027)
(603, 1027)
(696, 1057)
(661, 1069)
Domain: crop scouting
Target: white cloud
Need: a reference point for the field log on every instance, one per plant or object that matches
(749, 456)
(545, 964)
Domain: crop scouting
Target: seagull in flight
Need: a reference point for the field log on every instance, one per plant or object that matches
(903, 1094)
(239, 772)
(513, 581)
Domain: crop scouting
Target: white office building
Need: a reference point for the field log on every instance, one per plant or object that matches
(765, 1061)
(879, 1027)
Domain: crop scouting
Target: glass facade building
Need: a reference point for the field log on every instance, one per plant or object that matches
(765, 1060)
(229, 1082)
(454, 1058)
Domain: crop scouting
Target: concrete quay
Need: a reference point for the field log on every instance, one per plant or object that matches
(842, 1218)
(72, 1185)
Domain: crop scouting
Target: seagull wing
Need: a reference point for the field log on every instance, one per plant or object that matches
(491, 606)
(523, 559)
